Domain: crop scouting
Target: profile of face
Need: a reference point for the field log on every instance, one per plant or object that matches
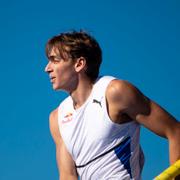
(62, 72)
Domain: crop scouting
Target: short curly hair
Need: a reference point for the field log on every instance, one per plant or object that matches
(76, 44)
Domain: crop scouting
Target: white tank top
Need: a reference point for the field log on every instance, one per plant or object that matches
(101, 149)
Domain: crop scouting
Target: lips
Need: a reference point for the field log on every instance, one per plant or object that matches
(52, 79)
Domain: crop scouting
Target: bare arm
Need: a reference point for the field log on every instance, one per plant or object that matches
(65, 162)
(124, 98)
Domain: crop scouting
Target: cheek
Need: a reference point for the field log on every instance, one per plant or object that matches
(59, 70)
(64, 72)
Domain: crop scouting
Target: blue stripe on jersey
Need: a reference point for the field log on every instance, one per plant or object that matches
(123, 152)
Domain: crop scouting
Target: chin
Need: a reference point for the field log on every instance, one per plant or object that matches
(57, 88)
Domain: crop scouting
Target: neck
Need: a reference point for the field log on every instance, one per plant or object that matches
(82, 92)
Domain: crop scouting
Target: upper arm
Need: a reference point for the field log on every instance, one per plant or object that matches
(129, 100)
(66, 165)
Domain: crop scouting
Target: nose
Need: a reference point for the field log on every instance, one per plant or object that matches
(48, 68)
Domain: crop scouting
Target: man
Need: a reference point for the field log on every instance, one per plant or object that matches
(96, 128)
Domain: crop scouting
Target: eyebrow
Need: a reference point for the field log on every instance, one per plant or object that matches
(53, 57)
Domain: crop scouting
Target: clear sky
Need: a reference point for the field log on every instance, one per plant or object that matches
(140, 41)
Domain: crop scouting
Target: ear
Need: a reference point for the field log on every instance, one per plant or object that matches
(80, 64)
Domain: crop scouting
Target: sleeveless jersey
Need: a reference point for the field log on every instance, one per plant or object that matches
(100, 148)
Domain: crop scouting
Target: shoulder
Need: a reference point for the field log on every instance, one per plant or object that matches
(53, 115)
(119, 85)
(121, 89)
(53, 118)
(124, 95)
(53, 125)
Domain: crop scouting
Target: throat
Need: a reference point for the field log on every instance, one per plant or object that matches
(81, 96)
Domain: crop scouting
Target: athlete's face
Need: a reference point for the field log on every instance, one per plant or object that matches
(61, 72)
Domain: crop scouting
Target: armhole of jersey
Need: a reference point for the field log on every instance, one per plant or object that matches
(59, 121)
(60, 107)
(59, 111)
(101, 86)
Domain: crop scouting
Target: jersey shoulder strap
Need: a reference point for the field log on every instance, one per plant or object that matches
(101, 86)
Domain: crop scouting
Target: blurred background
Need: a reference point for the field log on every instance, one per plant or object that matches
(140, 42)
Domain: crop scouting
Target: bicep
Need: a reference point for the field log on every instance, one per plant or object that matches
(65, 163)
(133, 103)
(157, 119)
(129, 100)
(150, 114)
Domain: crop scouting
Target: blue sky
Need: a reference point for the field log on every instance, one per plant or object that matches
(140, 42)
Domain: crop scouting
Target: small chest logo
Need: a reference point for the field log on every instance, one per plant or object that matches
(67, 118)
(96, 101)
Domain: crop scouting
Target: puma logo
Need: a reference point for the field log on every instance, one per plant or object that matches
(96, 101)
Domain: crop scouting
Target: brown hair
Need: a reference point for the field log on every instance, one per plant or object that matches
(75, 45)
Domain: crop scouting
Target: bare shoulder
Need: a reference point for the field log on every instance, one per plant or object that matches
(124, 98)
(122, 91)
(53, 125)
(53, 118)
(119, 85)
(53, 115)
